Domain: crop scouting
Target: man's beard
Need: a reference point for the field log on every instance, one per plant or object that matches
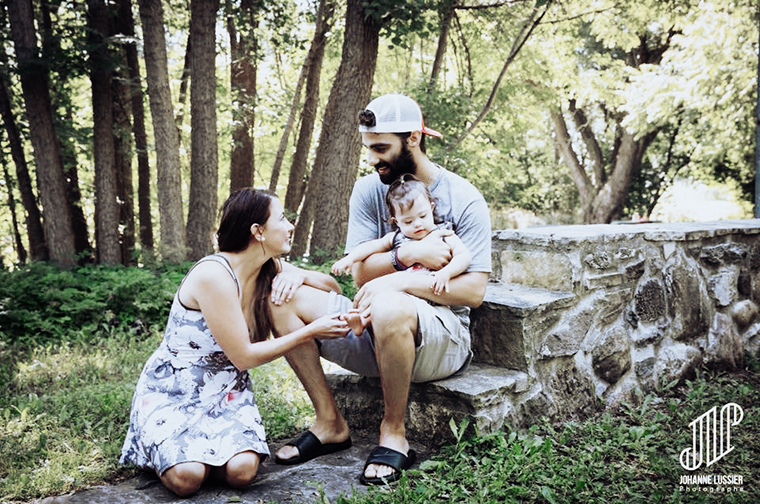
(402, 164)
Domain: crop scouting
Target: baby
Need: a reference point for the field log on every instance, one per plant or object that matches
(412, 211)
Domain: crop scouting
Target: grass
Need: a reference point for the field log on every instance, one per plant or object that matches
(627, 456)
(67, 376)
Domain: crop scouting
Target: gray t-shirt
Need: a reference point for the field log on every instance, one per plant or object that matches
(457, 201)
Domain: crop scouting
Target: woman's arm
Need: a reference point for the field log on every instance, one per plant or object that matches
(216, 296)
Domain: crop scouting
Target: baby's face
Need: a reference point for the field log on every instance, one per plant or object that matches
(416, 221)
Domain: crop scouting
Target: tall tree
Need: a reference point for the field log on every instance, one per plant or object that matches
(18, 243)
(204, 158)
(47, 153)
(123, 150)
(165, 132)
(241, 27)
(34, 231)
(312, 68)
(337, 156)
(604, 162)
(104, 153)
(134, 88)
(64, 69)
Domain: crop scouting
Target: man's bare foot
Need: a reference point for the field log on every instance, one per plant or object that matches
(396, 442)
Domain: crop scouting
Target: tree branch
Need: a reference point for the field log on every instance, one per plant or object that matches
(577, 173)
(595, 152)
(525, 32)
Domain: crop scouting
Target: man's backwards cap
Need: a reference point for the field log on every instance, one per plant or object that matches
(397, 113)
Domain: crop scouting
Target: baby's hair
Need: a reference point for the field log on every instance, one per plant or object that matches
(403, 191)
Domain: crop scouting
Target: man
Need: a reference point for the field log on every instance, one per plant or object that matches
(415, 335)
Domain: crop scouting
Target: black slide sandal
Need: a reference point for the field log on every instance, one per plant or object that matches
(309, 447)
(381, 455)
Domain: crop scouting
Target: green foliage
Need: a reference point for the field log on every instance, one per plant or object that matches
(40, 303)
(69, 369)
(623, 456)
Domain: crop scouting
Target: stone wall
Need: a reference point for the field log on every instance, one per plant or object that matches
(582, 317)
(597, 313)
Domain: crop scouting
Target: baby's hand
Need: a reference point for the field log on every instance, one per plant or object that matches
(440, 283)
(342, 266)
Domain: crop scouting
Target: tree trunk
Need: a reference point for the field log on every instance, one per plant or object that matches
(60, 93)
(123, 159)
(182, 98)
(138, 128)
(18, 243)
(34, 231)
(106, 202)
(57, 216)
(203, 161)
(243, 49)
(165, 131)
(278, 158)
(604, 203)
(296, 178)
(443, 35)
(337, 156)
(610, 200)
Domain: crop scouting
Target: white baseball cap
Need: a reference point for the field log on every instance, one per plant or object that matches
(396, 113)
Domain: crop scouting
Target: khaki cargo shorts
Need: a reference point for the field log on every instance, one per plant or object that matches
(444, 345)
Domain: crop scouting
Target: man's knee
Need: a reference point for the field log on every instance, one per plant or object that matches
(394, 312)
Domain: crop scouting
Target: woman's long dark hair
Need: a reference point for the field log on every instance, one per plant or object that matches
(244, 208)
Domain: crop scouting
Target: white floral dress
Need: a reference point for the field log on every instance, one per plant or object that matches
(191, 403)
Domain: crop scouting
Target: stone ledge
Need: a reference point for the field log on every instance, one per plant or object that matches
(676, 231)
(481, 393)
(521, 300)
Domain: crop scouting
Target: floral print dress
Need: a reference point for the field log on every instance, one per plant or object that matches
(191, 403)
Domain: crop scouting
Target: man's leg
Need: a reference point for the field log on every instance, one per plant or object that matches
(394, 323)
(307, 305)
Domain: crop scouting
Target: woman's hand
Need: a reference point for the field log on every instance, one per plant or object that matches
(329, 326)
(285, 284)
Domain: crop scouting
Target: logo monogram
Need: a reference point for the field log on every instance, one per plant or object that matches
(713, 436)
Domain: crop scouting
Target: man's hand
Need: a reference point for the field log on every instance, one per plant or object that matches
(379, 286)
(431, 252)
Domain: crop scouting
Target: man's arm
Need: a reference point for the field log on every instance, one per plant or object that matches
(467, 289)
(432, 252)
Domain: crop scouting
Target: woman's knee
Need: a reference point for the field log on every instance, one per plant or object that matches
(242, 469)
(185, 478)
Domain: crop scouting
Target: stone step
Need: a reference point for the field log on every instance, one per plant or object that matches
(482, 393)
(502, 326)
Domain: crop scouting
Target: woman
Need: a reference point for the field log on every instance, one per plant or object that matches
(193, 412)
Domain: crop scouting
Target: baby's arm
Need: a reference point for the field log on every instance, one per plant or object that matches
(361, 252)
(459, 263)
